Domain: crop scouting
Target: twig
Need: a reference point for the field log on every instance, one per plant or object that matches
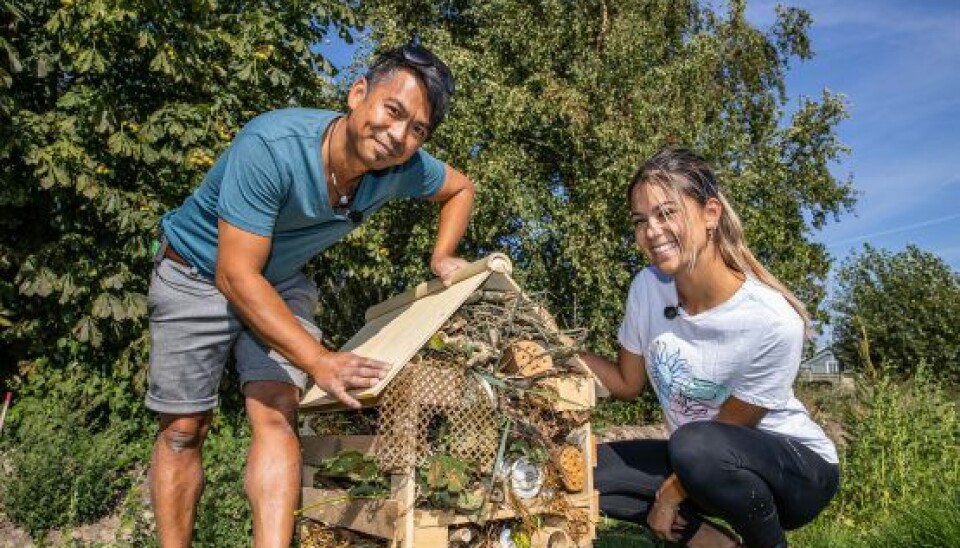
(494, 476)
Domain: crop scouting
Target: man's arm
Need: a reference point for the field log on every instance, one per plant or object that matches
(241, 256)
(456, 204)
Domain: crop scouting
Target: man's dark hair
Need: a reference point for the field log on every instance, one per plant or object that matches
(433, 72)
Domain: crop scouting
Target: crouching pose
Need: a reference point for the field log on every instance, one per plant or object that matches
(720, 340)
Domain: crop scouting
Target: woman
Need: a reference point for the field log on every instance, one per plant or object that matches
(720, 340)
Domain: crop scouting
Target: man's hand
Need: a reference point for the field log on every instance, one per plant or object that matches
(337, 372)
(445, 266)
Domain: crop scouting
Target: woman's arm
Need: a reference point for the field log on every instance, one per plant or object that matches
(624, 379)
(738, 412)
(732, 411)
(671, 493)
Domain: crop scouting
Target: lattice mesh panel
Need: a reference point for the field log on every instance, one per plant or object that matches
(430, 409)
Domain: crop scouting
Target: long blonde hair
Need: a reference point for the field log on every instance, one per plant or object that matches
(680, 171)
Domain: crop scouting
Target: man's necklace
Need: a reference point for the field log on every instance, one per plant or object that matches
(343, 199)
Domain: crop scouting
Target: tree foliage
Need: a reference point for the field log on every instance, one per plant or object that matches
(112, 110)
(899, 310)
(559, 102)
(110, 113)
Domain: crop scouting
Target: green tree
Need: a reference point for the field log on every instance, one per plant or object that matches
(111, 111)
(902, 309)
(559, 102)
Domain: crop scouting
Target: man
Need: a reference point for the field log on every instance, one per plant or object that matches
(228, 276)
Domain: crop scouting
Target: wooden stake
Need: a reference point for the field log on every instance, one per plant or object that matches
(6, 405)
(403, 489)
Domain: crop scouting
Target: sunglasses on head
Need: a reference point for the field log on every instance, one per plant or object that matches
(416, 55)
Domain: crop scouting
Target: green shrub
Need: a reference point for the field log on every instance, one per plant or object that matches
(223, 516)
(620, 534)
(643, 410)
(61, 470)
(933, 523)
(895, 310)
(905, 445)
(900, 479)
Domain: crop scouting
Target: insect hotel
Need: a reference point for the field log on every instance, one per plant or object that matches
(479, 435)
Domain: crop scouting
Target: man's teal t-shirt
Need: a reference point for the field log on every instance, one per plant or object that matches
(271, 182)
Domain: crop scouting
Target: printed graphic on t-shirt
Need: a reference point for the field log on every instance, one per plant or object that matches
(679, 391)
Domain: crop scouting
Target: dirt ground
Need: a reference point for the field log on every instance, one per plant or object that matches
(102, 532)
(108, 531)
(620, 433)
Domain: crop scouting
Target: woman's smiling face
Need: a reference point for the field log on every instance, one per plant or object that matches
(668, 226)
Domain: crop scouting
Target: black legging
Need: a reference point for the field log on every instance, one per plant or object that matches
(759, 483)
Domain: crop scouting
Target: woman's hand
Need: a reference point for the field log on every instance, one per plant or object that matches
(665, 521)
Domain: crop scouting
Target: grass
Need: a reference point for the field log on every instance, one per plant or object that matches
(900, 484)
(933, 522)
(617, 534)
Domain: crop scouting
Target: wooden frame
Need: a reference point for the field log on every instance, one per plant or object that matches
(395, 331)
(395, 518)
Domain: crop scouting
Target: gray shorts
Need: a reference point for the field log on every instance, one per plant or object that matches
(192, 330)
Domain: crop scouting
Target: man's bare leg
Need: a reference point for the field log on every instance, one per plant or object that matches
(272, 478)
(176, 476)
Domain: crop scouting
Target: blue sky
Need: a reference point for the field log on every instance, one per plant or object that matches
(898, 63)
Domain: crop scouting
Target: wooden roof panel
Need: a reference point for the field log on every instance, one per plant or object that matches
(398, 327)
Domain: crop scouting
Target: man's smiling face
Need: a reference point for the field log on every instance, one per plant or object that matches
(389, 120)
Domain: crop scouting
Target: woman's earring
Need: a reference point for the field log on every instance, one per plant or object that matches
(711, 231)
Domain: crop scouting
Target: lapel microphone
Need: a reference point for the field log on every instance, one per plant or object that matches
(353, 216)
(670, 312)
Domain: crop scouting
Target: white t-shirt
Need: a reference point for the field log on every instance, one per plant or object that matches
(748, 347)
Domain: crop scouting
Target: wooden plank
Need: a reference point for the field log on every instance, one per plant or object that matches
(496, 262)
(372, 517)
(590, 453)
(501, 281)
(447, 518)
(384, 519)
(395, 337)
(575, 393)
(431, 537)
(315, 449)
(600, 391)
(306, 475)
